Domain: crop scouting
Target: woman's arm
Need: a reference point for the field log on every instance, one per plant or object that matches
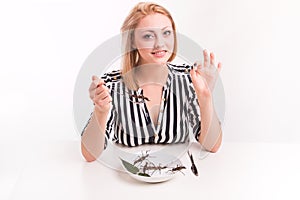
(211, 132)
(93, 137)
(204, 76)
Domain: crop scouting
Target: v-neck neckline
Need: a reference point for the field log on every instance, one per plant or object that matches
(164, 96)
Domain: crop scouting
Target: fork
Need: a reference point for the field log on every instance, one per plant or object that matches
(142, 97)
(193, 167)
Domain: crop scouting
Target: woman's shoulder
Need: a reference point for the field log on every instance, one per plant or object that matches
(180, 69)
(112, 76)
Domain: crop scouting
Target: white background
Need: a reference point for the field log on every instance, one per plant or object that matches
(44, 43)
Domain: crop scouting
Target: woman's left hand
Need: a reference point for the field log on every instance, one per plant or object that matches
(204, 76)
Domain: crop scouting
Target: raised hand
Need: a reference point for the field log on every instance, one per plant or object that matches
(100, 95)
(204, 75)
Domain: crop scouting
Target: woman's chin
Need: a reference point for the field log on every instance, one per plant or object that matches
(160, 60)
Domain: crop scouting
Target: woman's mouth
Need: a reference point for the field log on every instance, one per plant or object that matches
(159, 54)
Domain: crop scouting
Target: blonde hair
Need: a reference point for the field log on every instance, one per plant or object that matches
(130, 56)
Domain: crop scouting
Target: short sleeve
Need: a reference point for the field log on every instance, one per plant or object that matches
(194, 112)
(87, 123)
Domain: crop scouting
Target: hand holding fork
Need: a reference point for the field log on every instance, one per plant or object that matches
(100, 95)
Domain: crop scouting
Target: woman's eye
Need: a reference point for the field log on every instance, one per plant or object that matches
(148, 36)
(166, 33)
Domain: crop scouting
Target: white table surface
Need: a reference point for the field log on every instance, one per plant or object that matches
(56, 170)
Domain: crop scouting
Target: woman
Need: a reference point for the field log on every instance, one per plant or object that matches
(152, 101)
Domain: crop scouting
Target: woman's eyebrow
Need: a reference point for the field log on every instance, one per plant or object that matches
(148, 30)
(153, 30)
(166, 27)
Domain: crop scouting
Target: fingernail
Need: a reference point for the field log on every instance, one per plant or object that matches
(96, 82)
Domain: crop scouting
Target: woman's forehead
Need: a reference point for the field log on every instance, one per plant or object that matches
(156, 21)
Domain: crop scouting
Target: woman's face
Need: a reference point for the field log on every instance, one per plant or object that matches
(154, 39)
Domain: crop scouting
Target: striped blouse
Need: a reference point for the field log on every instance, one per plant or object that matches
(129, 123)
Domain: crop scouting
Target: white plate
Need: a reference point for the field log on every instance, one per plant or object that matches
(154, 159)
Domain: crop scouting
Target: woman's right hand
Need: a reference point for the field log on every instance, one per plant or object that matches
(100, 95)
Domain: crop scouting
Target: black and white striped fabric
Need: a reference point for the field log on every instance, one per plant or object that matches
(130, 123)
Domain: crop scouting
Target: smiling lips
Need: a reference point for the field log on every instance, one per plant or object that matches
(159, 54)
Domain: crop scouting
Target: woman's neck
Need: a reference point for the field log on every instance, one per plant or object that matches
(151, 73)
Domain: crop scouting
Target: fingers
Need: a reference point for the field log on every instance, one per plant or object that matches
(107, 100)
(96, 82)
(206, 59)
(101, 90)
(195, 70)
(219, 67)
(94, 77)
(102, 96)
(197, 66)
(192, 72)
(209, 61)
(102, 100)
(212, 59)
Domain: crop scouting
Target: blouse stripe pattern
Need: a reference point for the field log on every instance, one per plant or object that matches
(129, 123)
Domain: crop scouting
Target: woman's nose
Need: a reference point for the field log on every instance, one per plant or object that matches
(159, 42)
